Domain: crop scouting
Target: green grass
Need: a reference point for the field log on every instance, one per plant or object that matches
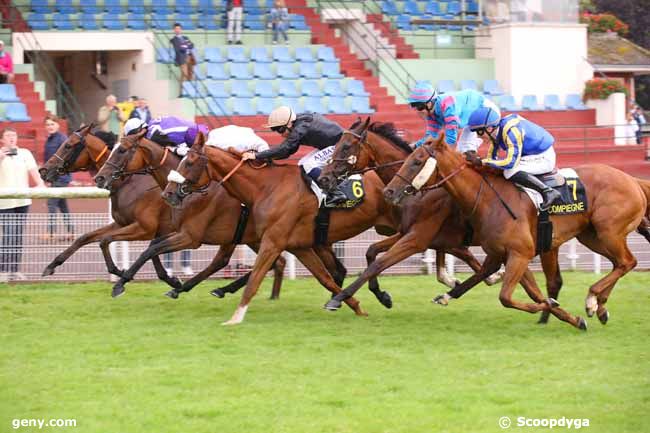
(144, 363)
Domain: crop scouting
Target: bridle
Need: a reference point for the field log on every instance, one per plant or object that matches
(351, 160)
(119, 172)
(66, 163)
(187, 187)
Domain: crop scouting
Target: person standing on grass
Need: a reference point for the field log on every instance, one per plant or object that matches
(17, 167)
(54, 140)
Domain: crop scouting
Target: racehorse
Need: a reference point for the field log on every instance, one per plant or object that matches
(617, 206)
(209, 218)
(284, 208)
(367, 146)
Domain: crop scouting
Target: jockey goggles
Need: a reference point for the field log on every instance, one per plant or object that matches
(420, 106)
(279, 129)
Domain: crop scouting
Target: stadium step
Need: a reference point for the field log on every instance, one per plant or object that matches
(403, 50)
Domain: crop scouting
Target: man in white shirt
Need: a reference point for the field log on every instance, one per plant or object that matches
(17, 166)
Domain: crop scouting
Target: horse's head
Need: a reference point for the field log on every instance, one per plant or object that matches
(124, 159)
(190, 176)
(420, 169)
(73, 155)
(348, 155)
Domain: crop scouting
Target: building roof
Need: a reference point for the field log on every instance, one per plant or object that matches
(609, 52)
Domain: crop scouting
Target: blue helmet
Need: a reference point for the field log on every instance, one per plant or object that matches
(423, 91)
(483, 117)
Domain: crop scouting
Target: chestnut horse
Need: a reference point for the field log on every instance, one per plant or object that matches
(365, 146)
(617, 205)
(284, 209)
(209, 218)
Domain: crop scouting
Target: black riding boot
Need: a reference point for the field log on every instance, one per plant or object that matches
(529, 181)
(335, 197)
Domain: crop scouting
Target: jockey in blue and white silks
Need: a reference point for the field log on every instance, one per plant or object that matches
(167, 131)
(529, 149)
(450, 112)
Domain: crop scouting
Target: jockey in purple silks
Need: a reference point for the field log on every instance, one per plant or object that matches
(168, 131)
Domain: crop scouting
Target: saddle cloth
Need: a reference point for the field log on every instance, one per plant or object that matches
(574, 197)
(352, 187)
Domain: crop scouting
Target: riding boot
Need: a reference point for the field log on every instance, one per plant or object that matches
(335, 197)
(549, 195)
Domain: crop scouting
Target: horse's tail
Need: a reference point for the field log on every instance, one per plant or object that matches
(644, 227)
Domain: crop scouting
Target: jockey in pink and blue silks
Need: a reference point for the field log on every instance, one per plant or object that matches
(449, 112)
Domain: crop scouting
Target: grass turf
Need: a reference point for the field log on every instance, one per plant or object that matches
(145, 363)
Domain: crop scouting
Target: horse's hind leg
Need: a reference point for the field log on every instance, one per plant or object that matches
(278, 276)
(162, 274)
(490, 266)
(334, 266)
(551, 267)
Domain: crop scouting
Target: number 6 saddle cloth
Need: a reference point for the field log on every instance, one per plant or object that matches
(569, 185)
(352, 187)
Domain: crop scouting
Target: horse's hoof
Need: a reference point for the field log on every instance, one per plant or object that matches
(591, 305)
(219, 293)
(273, 298)
(385, 299)
(604, 317)
(441, 300)
(118, 290)
(582, 324)
(47, 271)
(172, 294)
(176, 283)
(332, 305)
(543, 320)
(552, 303)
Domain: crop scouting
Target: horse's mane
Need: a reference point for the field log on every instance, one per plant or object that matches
(389, 132)
(106, 136)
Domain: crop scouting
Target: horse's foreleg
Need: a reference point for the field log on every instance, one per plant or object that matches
(466, 255)
(551, 268)
(490, 265)
(278, 276)
(162, 274)
(334, 266)
(81, 241)
(442, 275)
(371, 255)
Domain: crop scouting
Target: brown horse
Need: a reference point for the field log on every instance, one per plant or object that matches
(209, 218)
(365, 146)
(284, 208)
(617, 205)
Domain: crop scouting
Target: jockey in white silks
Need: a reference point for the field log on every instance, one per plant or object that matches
(239, 138)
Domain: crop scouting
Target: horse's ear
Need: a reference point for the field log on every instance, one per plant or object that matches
(367, 123)
(439, 143)
(140, 134)
(85, 129)
(199, 142)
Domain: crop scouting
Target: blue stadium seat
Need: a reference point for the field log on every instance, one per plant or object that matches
(136, 21)
(315, 105)
(183, 6)
(468, 85)
(326, 54)
(411, 7)
(293, 103)
(446, 86)
(237, 54)
(240, 71)
(209, 6)
(309, 70)
(243, 107)
(260, 55)
(453, 7)
(552, 102)
(219, 107)
(288, 89)
(113, 22)
(186, 21)
(389, 8)
(304, 55)
(115, 7)
(286, 70)
(217, 89)
(199, 74)
(331, 70)
(62, 21)
(282, 55)
(336, 105)
(160, 7)
(160, 21)
(38, 21)
(265, 105)
(263, 71)
(135, 6)
(452, 27)
(88, 22)
(65, 7)
(213, 55)
(334, 88)
(491, 87)
(403, 22)
(254, 22)
(8, 93)
(471, 7)
(41, 6)
(529, 102)
(429, 27)
(192, 89)
(297, 22)
(264, 88)
(217, 71)
(507, 102)
(356, 88)
(311, 88)
(433, 8)
(17, 112)
(165, 55)
(240, 89)
(360, 104)
(208, 22)
(574, 102)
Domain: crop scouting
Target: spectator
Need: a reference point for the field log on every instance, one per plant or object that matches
(54, 139)
(184, 58)
(631, 129)
(17, 166)
(6, 65)
(235, 16)
(637, 113)
(141, 111)
(128, 106)
(110, 116)
(279, 19)
(186, 256)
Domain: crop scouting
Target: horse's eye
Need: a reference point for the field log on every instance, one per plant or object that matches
(417, 162)
(346, 147)
(68, 146)
(121, 150)
(189, 163)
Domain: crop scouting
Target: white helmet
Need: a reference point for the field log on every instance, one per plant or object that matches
(281, 116)
(133, 126)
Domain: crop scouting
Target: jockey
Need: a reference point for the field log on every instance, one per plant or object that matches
(309, 129)
(450, 111)
(167, 131)
(529, 150)
(236, 137)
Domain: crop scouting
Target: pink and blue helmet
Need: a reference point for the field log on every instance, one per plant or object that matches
(422, 92)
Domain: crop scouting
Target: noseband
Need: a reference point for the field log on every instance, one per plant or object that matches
(120, 173)
(187, 187)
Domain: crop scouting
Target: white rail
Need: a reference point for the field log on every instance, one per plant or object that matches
(67, 192)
